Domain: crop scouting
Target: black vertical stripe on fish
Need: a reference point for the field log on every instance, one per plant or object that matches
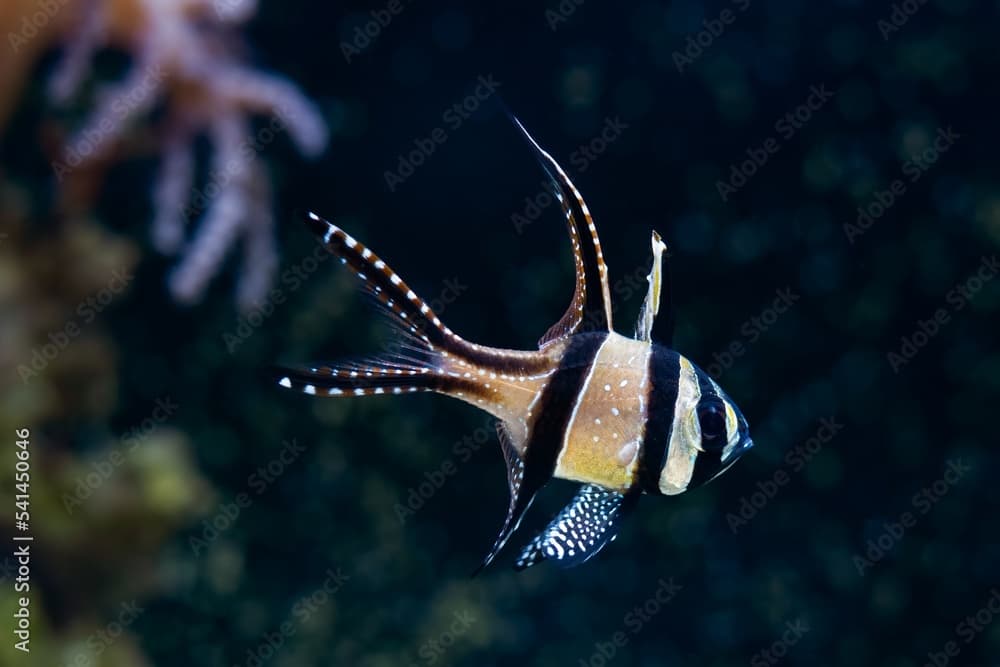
(707, 464)
(590, 309)
(664, 372)
(554, 411)
(705, 384)
(555, 408)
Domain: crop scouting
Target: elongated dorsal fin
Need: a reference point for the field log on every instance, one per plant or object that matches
(590, 309)
(583, 528)
(651, 306)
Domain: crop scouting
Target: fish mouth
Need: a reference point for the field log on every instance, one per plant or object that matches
(739, 450)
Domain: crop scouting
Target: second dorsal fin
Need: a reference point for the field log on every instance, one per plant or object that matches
(590, 309)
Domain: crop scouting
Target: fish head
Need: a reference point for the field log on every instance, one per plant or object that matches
(708, 435)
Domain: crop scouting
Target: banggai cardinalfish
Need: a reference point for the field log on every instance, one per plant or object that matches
(622, 416)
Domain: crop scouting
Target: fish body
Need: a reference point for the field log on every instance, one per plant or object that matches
(622, 416)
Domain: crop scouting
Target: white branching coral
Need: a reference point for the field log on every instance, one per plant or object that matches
(186, 58)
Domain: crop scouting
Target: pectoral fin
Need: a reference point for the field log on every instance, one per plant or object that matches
(582, 529)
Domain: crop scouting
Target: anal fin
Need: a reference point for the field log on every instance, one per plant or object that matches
(581, 530)
(523, 489)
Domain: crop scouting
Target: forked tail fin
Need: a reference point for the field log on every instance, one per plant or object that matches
(431, 358)
(426, 342)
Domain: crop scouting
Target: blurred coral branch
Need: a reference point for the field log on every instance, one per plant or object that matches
(186, 57)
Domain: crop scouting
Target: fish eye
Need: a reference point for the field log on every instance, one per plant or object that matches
(712, 418)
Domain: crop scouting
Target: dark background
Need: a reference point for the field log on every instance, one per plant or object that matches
(337, 505)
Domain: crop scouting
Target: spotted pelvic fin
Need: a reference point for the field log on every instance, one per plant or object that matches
(590, 309)
(581, 530)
